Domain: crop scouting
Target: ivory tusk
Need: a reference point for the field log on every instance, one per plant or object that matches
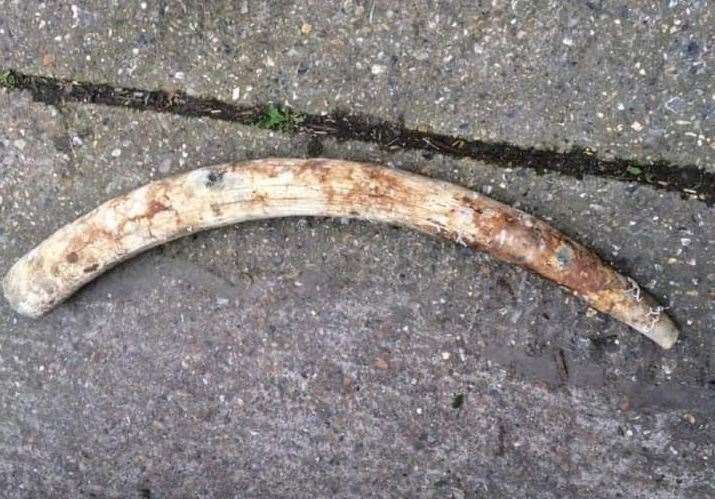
(227, 194)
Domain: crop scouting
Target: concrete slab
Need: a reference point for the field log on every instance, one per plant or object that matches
(323, 357)
(632, 81)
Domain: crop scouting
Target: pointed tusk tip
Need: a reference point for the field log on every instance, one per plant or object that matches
(664, 332)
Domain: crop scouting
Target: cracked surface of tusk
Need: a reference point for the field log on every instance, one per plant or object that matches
(280, 187)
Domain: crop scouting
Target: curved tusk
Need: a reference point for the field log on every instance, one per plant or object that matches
(212, 197)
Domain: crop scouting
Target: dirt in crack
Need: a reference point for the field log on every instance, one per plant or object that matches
(689, 180)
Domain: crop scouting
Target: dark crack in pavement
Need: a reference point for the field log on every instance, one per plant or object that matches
(689, 180)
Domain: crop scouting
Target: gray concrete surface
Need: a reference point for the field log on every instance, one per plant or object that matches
(632, 79)
(317, 357)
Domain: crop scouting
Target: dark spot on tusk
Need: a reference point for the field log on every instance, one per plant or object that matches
(214, 179)
(91, 268)
(72, 257)
(564, 255)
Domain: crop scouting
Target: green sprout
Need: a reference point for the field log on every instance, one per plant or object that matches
(8, 79)
(281, 119)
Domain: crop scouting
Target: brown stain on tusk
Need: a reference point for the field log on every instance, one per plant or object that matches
(154, 208)
(279, 187)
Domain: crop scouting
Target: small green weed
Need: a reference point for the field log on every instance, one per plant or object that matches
(281, 119)
(8, 79)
